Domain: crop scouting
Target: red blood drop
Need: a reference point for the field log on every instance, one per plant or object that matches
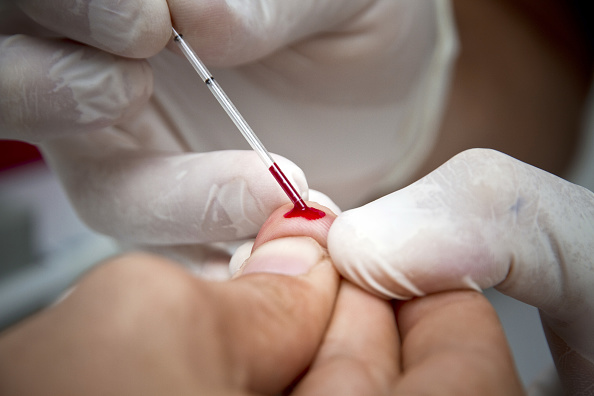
(307, 213)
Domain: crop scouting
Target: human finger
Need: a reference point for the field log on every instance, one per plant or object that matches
(292, 311)
(51, 88)
(360, 353)
(279, 226)
(318, 200)
(135, 29)
(453, 344)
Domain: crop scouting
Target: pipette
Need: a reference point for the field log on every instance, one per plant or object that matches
(300, 208)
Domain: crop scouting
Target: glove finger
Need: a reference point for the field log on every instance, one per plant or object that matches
(227, 33)
(135, 28)
(277, 226)
(324, 200)
(51, 88)
(483, 219)
(163, 198)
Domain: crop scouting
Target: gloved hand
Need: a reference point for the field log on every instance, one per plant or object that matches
(138, 148)
(484, 219)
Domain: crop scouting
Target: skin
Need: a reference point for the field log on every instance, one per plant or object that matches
(140, 324)
(529, 108)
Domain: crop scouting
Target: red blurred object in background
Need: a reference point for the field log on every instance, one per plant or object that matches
(14, 153)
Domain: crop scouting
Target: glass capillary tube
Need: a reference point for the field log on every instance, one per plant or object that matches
(238, 120)
(225, 102)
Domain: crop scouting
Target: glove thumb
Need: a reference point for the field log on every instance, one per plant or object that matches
(481, 220)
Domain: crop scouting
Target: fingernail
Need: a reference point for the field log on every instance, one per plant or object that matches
(241, 254)
(285, 256)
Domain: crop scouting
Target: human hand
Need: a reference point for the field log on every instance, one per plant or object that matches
(453, 338)
(484, 219)
(142, 325)
(123, 153)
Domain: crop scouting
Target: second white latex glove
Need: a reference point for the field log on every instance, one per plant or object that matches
(484, 219)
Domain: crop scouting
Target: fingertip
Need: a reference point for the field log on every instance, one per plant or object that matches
(134, 29)
(279, 247)
(279, 226)
(456, 339)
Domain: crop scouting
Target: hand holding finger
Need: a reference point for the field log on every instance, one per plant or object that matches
(165, 198)
(141, 325)
(483, 219)
(453, 338)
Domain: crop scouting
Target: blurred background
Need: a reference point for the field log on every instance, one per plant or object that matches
(43, 245)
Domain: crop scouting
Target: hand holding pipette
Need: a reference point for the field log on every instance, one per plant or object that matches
(125, 129)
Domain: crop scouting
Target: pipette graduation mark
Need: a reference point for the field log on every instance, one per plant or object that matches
(300, 209)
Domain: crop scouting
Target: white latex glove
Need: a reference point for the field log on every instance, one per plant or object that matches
(484, 219)
(147, 168)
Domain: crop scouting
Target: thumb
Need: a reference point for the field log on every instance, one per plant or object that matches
(483, 219)
(227, 33)
(281, 303)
